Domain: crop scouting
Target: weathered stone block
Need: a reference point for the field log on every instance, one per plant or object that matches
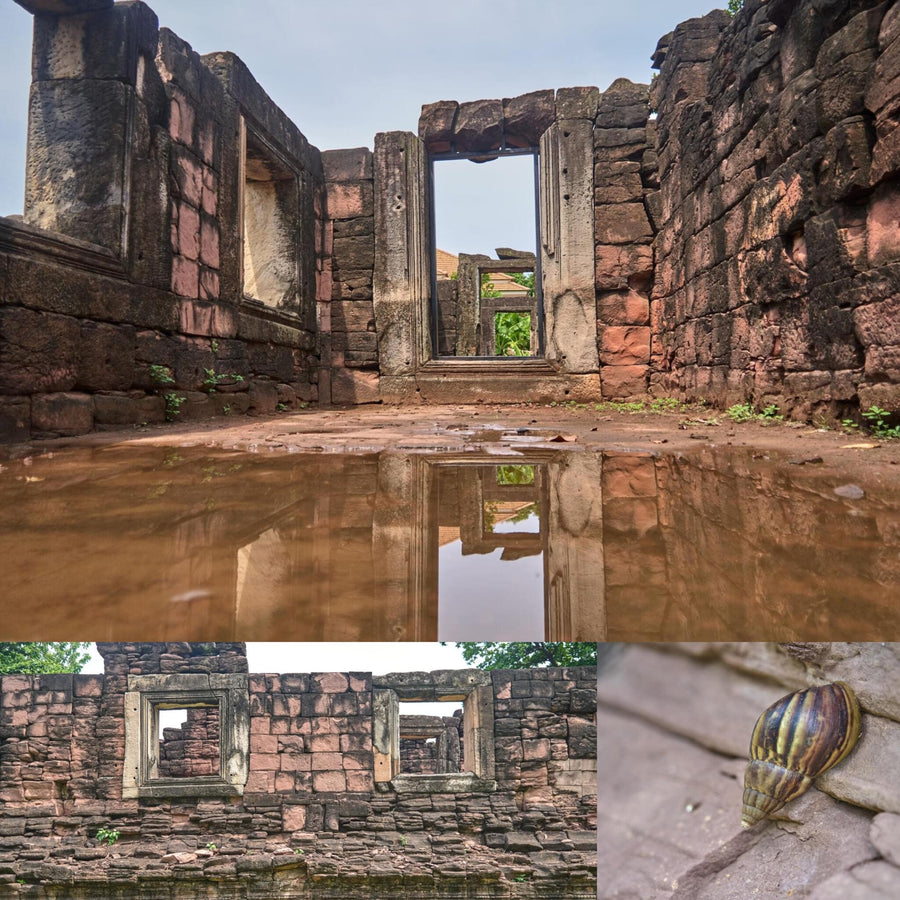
(15, 419)
(479, 125)
(64, 414)
(577, 103)
(263, 397)
(623, 308)
(105, 358)
(527, 117)
(622, 223)
(124, 409)
(349, 200)
(436, 123)
(77, 126)
(40, 351)
(347, 165)
(355, 387)
(622, 345)
(622, 382)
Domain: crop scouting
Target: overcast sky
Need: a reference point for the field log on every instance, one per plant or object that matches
(346, 69)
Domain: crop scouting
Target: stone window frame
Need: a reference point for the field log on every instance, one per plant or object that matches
(147, 694)
(251, 134)
(474, 689)
(402, 277)
(489, 265)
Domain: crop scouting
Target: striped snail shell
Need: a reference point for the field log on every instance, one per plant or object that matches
(797, 738)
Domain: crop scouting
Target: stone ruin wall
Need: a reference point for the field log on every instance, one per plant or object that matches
(779, 244)
(674, 727)
(137, 262)
(744, 239)
(314, 819)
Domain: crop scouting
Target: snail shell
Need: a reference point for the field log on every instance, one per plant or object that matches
(797, 738)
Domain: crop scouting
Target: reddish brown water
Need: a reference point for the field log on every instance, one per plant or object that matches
(127, 543)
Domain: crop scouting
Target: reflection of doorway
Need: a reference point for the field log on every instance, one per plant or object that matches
(487, 552)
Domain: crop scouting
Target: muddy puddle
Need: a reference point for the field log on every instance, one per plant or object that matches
(149, 543)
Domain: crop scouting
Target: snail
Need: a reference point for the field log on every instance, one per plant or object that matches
(796, 739)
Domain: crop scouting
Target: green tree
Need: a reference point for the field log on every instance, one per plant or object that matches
(32, 658)
(527, 655)
(734, 6)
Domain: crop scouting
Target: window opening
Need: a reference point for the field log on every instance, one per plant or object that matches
(486, 296)
(188, 741)
(271, 214)
(431, 738)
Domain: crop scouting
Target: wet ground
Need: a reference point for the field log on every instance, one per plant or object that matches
(456, 524)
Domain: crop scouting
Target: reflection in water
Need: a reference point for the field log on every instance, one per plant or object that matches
(491, 559)
(128, 543)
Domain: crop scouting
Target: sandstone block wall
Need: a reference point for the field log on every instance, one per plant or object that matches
(126, 283)
(311, 815)
(675, 724)
(776, 261)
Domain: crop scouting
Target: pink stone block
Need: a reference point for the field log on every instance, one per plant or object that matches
(345, 201)
(181, 119)
(263, 743)
(623, 345)
(293, 818)
(324, 743)
(209, 243)
(330, 682)
(185, 277)
(10, 683)
(360, 781)
(260, 725)
(329, 781)
(210, 198)
(209, 284)
(263, 762)
(284, 782)
(88, 685)
(883, 224)
(324, 285)
(260, 782)
(190, 179)
(324, 761)
(206, 142)
(295, 762)
(188, 231)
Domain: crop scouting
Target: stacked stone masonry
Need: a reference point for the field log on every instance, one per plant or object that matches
(728, 233)
(777, 253)
(311, 819)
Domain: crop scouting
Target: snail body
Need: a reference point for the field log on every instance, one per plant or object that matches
(796, 739)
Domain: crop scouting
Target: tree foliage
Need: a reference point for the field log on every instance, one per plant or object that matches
(512, 334)
(527, 655)
(33, 658)
(734, 6)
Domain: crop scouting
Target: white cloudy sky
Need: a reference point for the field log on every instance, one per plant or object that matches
(346, 69)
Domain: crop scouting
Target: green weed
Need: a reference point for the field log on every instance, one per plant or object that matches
(107, 836)
(877, 419)
(161, 375)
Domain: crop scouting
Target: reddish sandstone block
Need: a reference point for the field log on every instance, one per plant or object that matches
(325, 743)
(328, 683)
(263, 743)
(295, 762)
(360, 781)
(629, 476)
(260, 725)
(260, 782)
(623, 308)
(185, 277)
(293, 818)
(620, 382)
(624, 345)
(324, 761)
(188, 231)
(65, 414)
(181, 119)
(209, 242)
(347, 201)
(329, 781)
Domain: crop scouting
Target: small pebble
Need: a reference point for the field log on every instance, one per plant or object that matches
(850, 492)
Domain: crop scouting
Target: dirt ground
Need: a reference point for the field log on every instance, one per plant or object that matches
(365, 429)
